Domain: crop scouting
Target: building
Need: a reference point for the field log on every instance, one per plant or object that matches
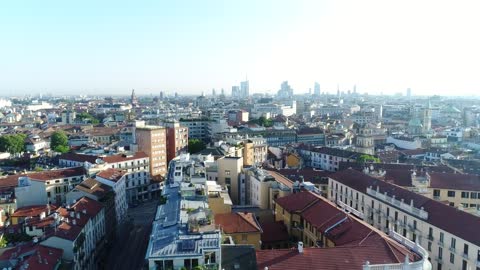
(316, 89)
(183, 233)
(102, 193)
(177, 140)
(32, 256)
(116, 179)
(198, 128)
(453, 242)
(322, 230)
(68, 117)
(152, 141)
(229, 170)
(255, 151)
(47, 186)
(312, 136)
(79, 230)
(326, 158)
(285, 91)
(242, 227)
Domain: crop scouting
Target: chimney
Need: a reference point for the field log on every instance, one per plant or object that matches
(300, 247)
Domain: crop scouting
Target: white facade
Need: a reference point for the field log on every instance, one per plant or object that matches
(119, 188)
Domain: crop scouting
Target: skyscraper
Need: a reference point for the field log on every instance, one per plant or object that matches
(285, 90)
(244, 89)
(133, 99)
(316, 89)
(235, 91)
(409, 93)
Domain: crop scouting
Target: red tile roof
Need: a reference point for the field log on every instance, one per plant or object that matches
(297, 201)
(112, 174)
(458, 223)
(470, 182)
(31, 253)
(274, 232)
(79, 157)
(238, 223)
(344, 257)
(56, 174)
(123, 157)
(33, 210)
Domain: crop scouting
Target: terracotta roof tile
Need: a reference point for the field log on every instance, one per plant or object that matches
(238, 223)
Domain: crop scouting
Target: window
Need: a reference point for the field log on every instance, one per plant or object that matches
(451, 193)
(430, 233)
(473, 195)
(452, 244)
(227, 172)
(429, 246)
(464, 265)
(465, 195)
(441, 237)
(440, 252)
(228, 180)
(465, 249)
(49, 194)
(436, 192)
(244, 237)
(452, 258)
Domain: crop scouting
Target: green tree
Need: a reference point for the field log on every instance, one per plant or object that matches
(59, 141)
(195, 145)
(86, 116)
(368, 158)
(13, 144)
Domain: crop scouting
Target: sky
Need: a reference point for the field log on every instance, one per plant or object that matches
(110, 47)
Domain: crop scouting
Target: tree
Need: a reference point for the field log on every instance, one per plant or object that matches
(86, 116)
(368, 158)
(13, 144)
(195, 145)
(59, 142)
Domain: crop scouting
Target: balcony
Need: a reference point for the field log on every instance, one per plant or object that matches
(430, 237)
(440, 243)
(452, 249)
(439, 259)
(465, 256)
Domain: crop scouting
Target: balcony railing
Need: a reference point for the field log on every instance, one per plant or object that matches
(348, 208)
(400, 204)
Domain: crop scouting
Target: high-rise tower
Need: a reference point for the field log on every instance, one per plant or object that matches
(427, 118)
(133, 99)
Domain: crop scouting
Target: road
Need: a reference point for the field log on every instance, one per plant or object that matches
(128, 252)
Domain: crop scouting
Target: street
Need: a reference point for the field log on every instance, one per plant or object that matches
(128, 252)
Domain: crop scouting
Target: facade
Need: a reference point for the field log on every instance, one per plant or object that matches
(177, 140)
(79, 231)
(116, 180)
(312, 136)
(198, 128)
(229, 170)
(152, 141)
(326, 158)
(452, 242)
(47, 186)
(242, 227)
(323, 230)
(182, 237)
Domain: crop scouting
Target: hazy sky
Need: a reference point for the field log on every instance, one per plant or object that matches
(192, 46)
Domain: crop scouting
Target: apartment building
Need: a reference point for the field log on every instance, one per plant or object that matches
(326, 234)
(255, 151)
(449, 235)
(183, 233)
(47, 186)
(139, 185)
(198, 128)
(229, 170)
(152, 141)
(78, 230)
(326, 158)
(177, 139)
(116, 179)
(102, 193)
(242, 227)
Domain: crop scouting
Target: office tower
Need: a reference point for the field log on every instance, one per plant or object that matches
(244, 89)
(316, 89)
(409, 93)
(161, 95)
(152, 141)
(285, 90)
(214, 93)
(235, 91)
(177, 139)
(354, 89)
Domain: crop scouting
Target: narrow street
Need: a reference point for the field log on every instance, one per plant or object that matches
(128, 252)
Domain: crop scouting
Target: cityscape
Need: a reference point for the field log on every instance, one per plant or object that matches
(185, 149)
